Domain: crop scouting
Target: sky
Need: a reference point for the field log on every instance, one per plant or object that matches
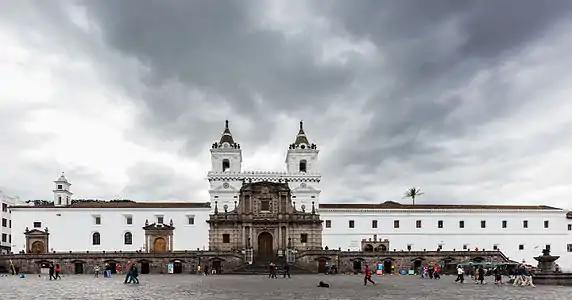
(468, 100)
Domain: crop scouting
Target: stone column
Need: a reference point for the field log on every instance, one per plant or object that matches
(279, 244)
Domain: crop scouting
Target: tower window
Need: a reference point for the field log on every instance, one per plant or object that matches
(374, 224)
(440, 224)
(225, 165)
(60, 186)
(546, 223)
(418, 224)
(59, 199)
(351, 224)
(303, 164)
(37, 224)
(328, 223)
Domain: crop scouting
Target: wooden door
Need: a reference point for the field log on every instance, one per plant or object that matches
(265, 249)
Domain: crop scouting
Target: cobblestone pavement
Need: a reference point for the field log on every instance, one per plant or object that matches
(302, 287)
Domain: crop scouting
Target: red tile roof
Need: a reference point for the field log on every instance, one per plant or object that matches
(393, 205)
(119, 204)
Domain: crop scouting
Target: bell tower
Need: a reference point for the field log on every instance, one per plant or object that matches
(302, 157)
(302, 163)
(62, 193)
(224, 177)
(226, 155)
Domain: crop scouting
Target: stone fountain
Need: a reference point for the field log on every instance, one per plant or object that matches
(548, 273)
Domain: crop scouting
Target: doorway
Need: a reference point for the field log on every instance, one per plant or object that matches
(387, 267)
(113, 267)
(417, 265)
(322, 266)
(78, 268)
(144, 268)
(265, 249)
(357, 266)
(160, 245)
(217, 266)
(177, 267)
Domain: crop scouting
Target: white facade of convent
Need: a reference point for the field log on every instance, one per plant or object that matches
(520, 232)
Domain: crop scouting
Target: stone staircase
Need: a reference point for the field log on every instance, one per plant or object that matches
(262, 268)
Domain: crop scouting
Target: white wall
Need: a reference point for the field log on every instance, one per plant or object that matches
(71, 228)
(6, 215)
(534, 238)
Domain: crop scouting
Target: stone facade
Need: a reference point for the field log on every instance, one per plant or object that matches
(265, 220)
(37, 241)
(148, 263)
(353, 261)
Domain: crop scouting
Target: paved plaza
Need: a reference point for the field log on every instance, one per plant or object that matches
(300, 287)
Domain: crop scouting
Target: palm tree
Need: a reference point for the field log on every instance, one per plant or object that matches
(413, 193)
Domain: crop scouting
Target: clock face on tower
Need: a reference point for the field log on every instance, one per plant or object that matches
(226, 185)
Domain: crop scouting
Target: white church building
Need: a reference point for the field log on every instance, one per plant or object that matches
(521, 232)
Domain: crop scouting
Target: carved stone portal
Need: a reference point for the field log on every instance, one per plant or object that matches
(159, 237)
(37, 241)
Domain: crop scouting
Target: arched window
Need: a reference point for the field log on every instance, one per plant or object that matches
(225, 165)
(95, 238)
(303, 164)
(59, 199)
(128, 238)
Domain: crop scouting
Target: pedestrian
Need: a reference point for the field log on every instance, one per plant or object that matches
(57, 269)
(286, 270)
(52, 271)
(460, 274)
(367, 276)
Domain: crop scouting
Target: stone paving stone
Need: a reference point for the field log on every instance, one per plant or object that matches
(302, 287)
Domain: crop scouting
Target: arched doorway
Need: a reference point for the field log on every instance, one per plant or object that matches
(160, 245)
(38, 247)
(177, 267)
(357, 266)
(145, 267)
(387, 267)
(78, 267)
(265, 250)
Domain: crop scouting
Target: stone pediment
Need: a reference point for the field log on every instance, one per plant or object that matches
(304, 189)
(225, 187)
(36, 232)
(155, 226)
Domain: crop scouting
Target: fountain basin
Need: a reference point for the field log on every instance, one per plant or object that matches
(564, 279)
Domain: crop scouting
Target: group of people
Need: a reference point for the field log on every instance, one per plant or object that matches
(520, 276)
(432, 272)
(130, 277)
(273, 271)
(54, 271)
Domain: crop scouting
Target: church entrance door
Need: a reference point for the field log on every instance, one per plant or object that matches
(38, 247)
(160, 245)
(265, 251)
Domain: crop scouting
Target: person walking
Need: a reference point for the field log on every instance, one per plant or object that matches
(286, 270)
(367, 276)
(460, 274)
(57, 269)
(52, 271)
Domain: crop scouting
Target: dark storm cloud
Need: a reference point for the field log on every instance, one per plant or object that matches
(486, 34)
(214, 55)
(214, 46)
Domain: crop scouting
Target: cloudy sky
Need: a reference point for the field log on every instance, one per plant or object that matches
(471, 102)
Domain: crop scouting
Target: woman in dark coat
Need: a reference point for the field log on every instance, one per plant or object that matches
(481, 276)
